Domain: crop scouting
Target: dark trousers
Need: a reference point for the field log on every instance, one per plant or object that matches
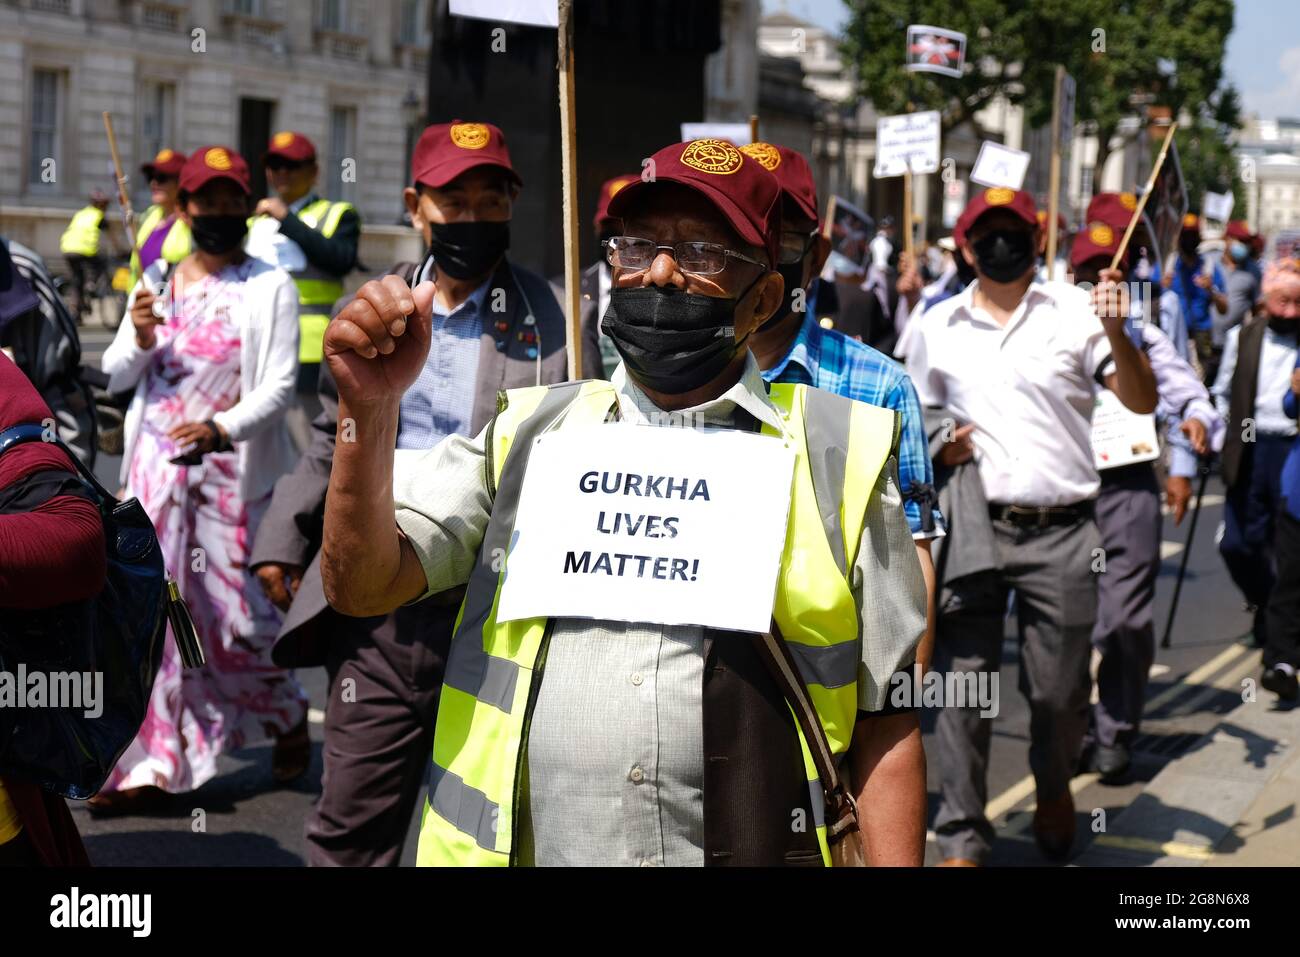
(87, 271)
(1283, 645)
(1250, 520)
(1128, 517)
(1056, 607)
(383, 698)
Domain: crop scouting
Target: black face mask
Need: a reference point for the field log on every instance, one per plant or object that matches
(1283, 327)
(216, 235)
(792, 273)
(468, 250)
(672, 341)
(1005, 255)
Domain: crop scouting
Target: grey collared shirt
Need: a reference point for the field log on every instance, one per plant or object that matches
(614, 758)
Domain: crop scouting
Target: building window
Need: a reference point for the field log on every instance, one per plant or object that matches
(244, 8)
(409, 26)
(157, 113)
(342, 153)
(47, 101)
(333, 16)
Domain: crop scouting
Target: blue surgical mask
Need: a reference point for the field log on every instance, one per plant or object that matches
(1238, 251)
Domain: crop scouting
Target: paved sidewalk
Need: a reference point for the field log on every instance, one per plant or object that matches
(1229, 801)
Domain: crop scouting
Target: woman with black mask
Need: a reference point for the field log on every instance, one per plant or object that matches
(212, 353)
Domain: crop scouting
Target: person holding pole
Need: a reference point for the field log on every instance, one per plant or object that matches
(1015, 363)
(792, 346)
(1282, 653)
(1258, 359)
(597, 742)
(1129, 519)
(162, 233)
(462, 199)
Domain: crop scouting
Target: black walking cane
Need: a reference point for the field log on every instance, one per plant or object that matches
(1204, 464)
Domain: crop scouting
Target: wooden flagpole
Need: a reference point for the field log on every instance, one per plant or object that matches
(569, 172)
(1146, 193)
(1054, 179)
(123, 195)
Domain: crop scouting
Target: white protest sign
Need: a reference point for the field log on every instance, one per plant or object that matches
(737, 133)
(907, 139)
(935, 50)
(662, 525)
(1218, 206)
(999, 165)
(1121, 437)
(538, 13)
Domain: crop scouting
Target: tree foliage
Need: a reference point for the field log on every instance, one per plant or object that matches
(1112, 48)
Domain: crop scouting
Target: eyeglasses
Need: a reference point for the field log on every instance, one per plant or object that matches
(693, 258)
(275, 164)
(794, 246)
(162, 179)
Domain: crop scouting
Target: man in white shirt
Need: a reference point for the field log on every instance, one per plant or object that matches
(1016, 364)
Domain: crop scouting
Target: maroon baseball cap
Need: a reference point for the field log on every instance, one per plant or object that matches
(1191, 224)
(168, 162)
(1061, 224)
(445, 150)
(607, 191)
(291, 147)
(1237, 229)
(746, 194)
(1113, 209)
(997, 197)
(214, 162)
(791, 171)
(1097, 239)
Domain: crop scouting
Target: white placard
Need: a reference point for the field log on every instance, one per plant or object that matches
(907, 139)
(1218, 206)
(954, 201)
(1121, 437)
(538, 13)
(737, 133)
(999, 165)
(935, 50)
(662, 525)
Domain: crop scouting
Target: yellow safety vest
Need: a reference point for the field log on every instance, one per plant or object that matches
(317, 290)
(81, 238)
(176, 244)
(489, 690)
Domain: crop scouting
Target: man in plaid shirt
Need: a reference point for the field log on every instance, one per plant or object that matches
(794, 347)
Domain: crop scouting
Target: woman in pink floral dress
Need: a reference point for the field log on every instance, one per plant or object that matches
(211, 351)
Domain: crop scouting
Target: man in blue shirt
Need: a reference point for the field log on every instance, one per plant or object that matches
(1282, 645)
(793, 347)
(1198, 288)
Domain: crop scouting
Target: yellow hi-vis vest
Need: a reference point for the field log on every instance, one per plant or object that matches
(81, 238)
(317, 289)
(493, 669)
(176, 244)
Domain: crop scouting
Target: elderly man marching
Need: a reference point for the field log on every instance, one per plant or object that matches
(589, 741)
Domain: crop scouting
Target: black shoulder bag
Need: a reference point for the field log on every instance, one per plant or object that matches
(115, 638)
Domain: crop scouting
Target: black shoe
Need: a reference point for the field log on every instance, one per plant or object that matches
(1111, 763)
(1282, 683)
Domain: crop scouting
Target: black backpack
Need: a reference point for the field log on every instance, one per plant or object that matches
(117, 635)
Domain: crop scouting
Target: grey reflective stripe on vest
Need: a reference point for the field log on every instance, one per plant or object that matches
(818, 795)
(826, 426)
(831, 666)
(467, 809)
(469, 668)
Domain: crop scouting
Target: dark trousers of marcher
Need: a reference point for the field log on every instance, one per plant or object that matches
(1250, 520)
(1050, 570)
(379, 719)
(1283, 645)
(87, 272)
(1128, 517)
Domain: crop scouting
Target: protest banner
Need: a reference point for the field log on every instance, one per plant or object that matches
(1217, 206)
(998, 165)
(736, 133)
(1121, 437)
(907, 141)
(662, 525)
(1166, 183)
(849, 230)
(935, 50)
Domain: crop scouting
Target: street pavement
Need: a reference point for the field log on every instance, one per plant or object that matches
(241, 817)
